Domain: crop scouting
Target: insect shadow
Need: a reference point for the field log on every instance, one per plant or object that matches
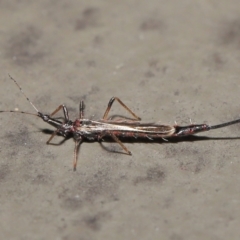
(190, 138)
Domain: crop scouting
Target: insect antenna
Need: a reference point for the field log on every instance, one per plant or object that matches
(23, 93)
(16, 111)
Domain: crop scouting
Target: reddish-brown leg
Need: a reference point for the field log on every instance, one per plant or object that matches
(65, 112)
(120, 143)
(76, 149)
(105, 116)
(66, 118)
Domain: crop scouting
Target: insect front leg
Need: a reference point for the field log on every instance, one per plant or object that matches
(52, 136)
(66, 119)
(65, 112)
(105, 116)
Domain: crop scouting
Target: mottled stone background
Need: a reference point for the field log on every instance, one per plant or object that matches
(168, 61)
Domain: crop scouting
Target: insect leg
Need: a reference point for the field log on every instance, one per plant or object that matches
(76, 150)
(52, 136)
(65, 112)
(120, 143)
(121, 103)
(81, 109)
(66, 117)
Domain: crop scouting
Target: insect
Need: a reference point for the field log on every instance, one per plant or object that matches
(96, 130)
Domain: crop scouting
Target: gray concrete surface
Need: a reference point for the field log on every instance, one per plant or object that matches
(168, 61)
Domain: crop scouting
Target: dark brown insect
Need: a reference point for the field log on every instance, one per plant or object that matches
(95, 130)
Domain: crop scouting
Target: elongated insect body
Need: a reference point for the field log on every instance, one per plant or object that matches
(95, 130)
(122, 129)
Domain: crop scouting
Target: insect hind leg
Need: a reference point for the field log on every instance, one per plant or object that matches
(111, 101)
(120, 143)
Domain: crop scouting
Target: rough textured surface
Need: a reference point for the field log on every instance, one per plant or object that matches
(167, 60)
